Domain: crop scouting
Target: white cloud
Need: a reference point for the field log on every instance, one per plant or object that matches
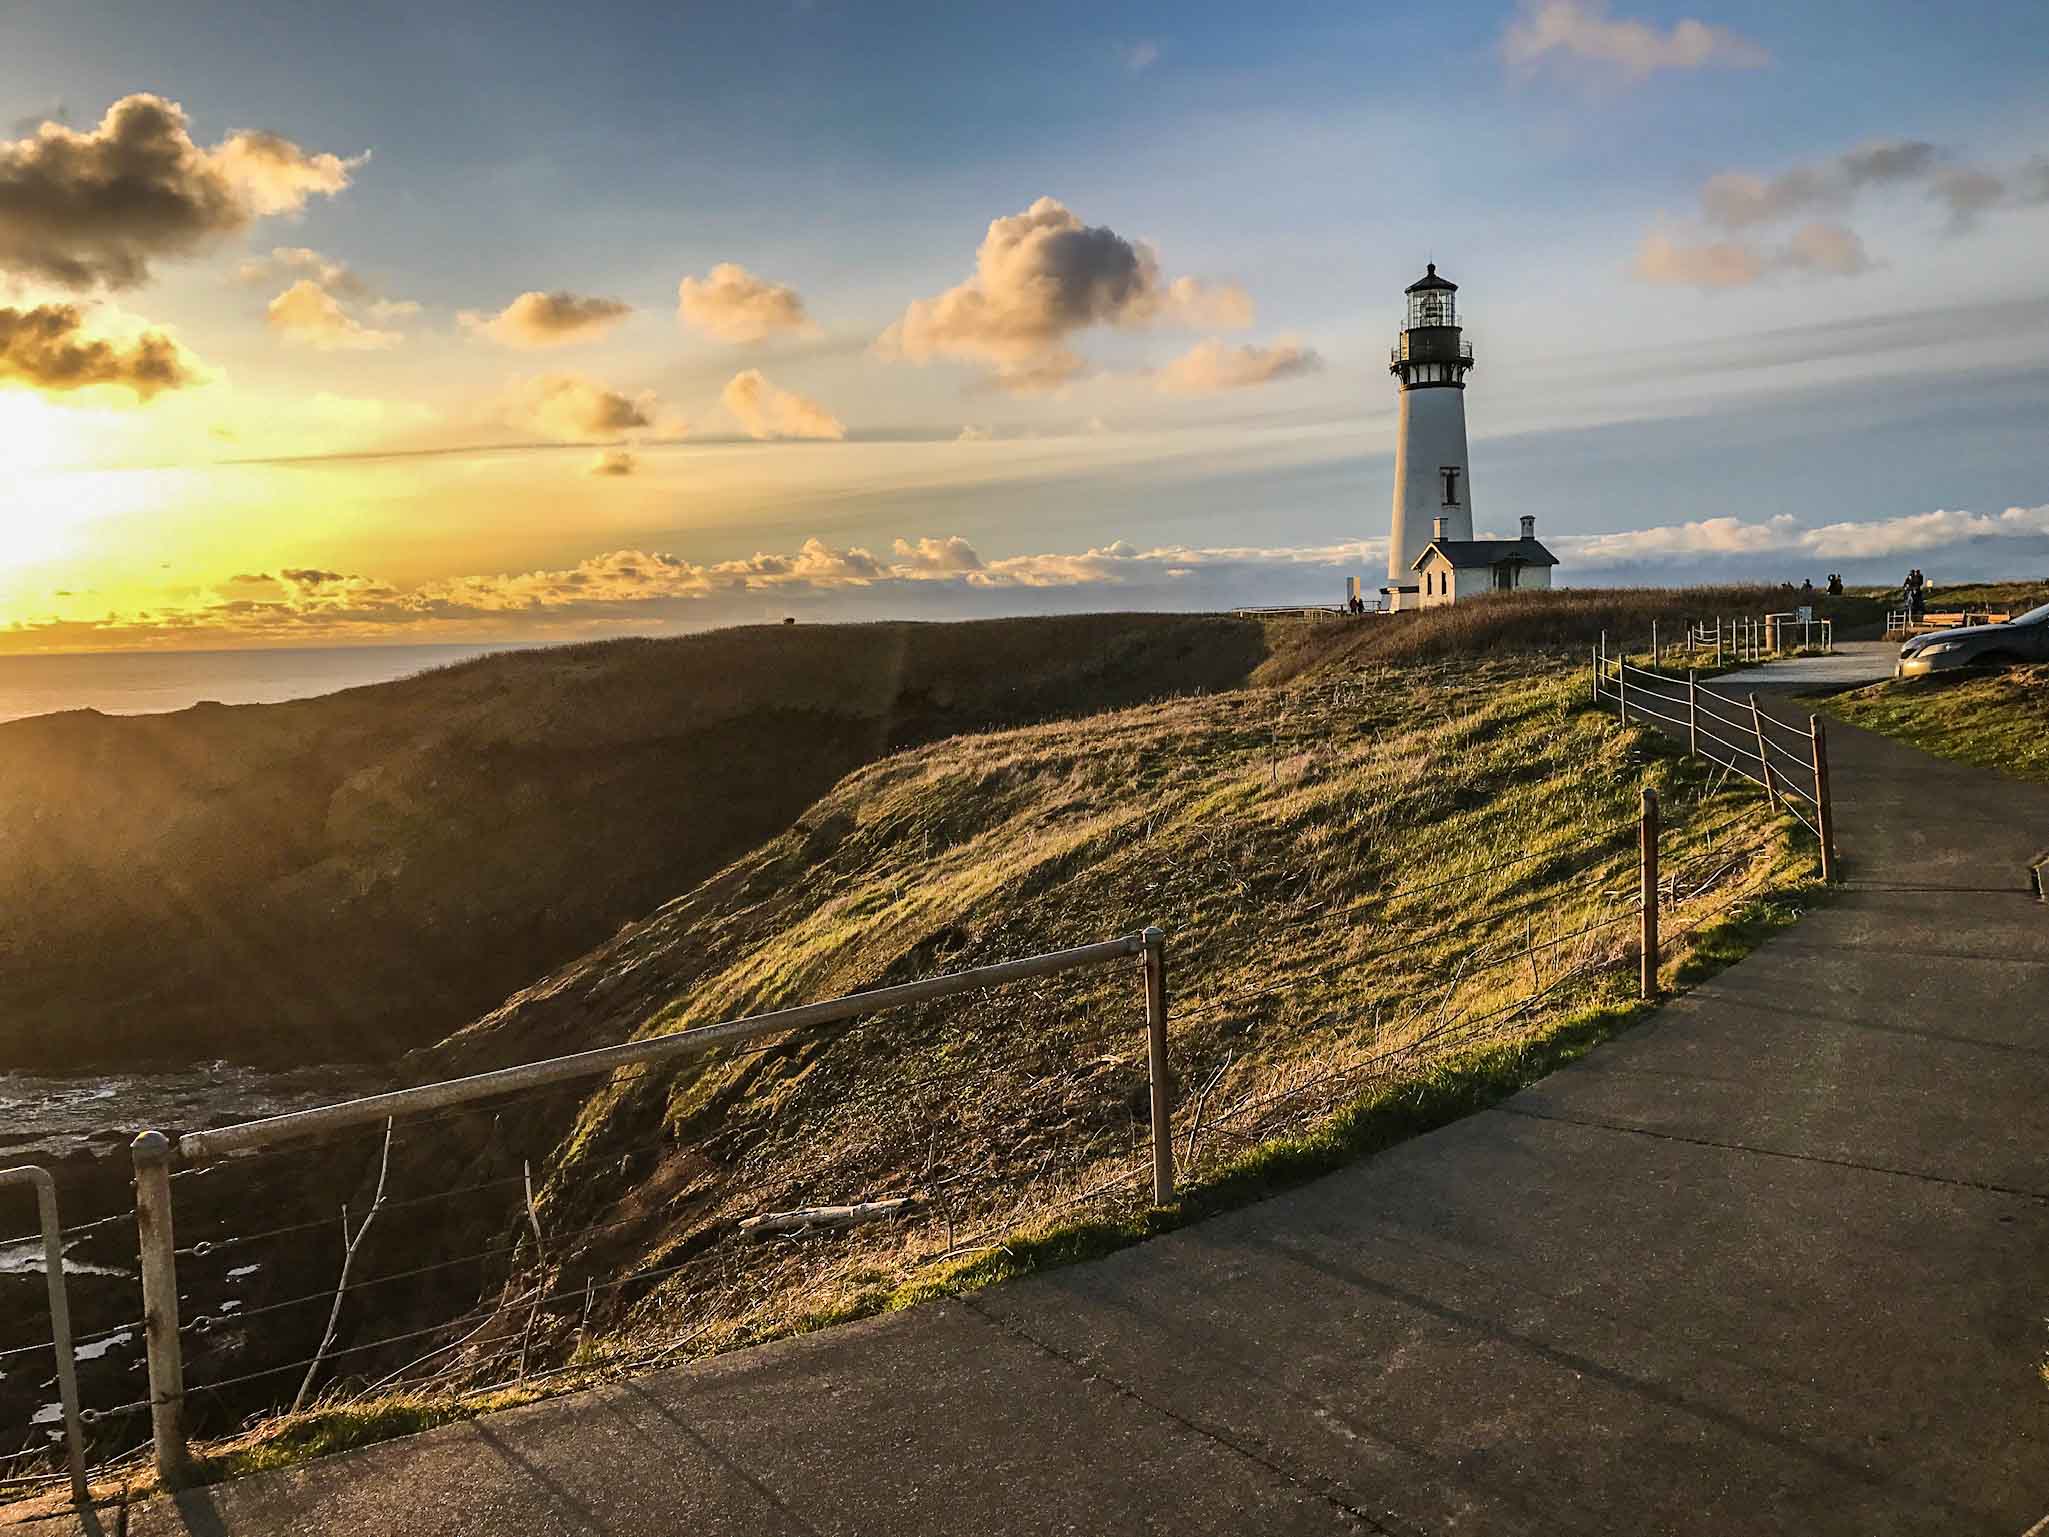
(765, 411)
(1912, 534)
(1140, 56)
(1548, 32)
(733, 305)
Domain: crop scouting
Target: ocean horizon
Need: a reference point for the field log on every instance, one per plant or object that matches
(157, 682)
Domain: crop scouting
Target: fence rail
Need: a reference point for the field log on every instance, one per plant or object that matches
(1789, 762)
(152, 1151)
(1901, 623)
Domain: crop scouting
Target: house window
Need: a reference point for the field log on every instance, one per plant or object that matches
(1450, 476)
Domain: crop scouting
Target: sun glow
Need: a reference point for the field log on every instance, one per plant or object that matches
(46, 516)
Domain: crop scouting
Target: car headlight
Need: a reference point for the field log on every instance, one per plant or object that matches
(1939, 647)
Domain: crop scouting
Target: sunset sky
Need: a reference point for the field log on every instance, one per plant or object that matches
(498, 322)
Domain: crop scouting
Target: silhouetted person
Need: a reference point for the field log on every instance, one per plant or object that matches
(1835, 585)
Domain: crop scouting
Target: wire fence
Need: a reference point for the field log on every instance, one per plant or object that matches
(1788, 761)
(594, 1223)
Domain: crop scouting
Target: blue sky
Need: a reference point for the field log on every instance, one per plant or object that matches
(1738, 275)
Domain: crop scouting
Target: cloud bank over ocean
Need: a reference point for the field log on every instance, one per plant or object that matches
(931, 576)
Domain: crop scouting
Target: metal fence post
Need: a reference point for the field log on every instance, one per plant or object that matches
(1622, 688)
(1824, 805)
(152, 1152)
(1718, 640)
(1647, 847)
(1692, 712)
(1654, 645)
(1156, 1054)
(1764, 762)
(60, 1316)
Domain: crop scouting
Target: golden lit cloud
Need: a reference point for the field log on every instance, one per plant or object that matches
(298, 262)
(1829, 250)
(558, 319)
(1212, 367)
(96, 208)
(764, 411)
(1041, 277)
(307, 315)
(571, 408)
(731, 304)
(613, 462)
(46, 349)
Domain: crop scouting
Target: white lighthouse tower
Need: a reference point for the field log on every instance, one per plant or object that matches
(1433, 483)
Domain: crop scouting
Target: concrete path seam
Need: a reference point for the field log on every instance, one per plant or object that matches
(1925, 952)
(1376, 1524)
(1771, 1152)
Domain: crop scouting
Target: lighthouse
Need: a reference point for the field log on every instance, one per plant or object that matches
(1433, 483)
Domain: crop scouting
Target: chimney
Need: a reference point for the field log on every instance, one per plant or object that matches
(1437, 528)
(1529, 527)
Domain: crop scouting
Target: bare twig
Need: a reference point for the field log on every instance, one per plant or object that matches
(1202, 1100)
(533, 1218)
(350, 1244)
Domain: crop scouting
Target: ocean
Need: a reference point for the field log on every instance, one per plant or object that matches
(150, 682)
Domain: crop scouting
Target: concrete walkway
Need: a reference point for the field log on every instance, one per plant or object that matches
(1851, 665)
(1776, 1261)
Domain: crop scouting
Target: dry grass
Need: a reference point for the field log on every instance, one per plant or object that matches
(1566, 619)
(1392, 895)
(1333, 871)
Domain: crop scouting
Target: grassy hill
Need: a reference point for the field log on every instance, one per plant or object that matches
(1391, 894)
(1397, 867)
(355, 875)
(350, 877)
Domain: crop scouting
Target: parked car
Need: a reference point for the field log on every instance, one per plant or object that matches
(2023, 638)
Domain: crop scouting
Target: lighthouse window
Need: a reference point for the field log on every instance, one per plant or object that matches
(1430, 308)
(1450, 474)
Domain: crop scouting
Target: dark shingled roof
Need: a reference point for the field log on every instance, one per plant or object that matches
(1430, 280)
(1464, 553)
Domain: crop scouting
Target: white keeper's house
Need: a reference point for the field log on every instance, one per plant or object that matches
(1432, 556)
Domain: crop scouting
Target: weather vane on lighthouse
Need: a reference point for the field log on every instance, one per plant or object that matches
(1432, 557)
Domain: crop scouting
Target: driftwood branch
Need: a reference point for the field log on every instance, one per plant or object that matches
(351, 1242)
(823, 1219)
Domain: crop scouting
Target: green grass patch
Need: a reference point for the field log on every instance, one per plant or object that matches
(1996, 720)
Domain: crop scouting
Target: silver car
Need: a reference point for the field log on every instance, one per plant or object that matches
(2023, 638)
